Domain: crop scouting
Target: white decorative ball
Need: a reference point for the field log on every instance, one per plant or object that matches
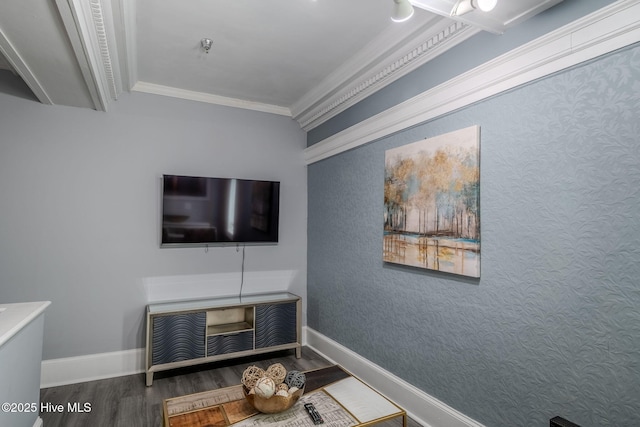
(265, 387)
(283, 393)
(293, 390)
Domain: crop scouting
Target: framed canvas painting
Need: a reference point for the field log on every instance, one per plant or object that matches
(432, 203)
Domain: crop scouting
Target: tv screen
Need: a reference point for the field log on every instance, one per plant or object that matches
(202, 211)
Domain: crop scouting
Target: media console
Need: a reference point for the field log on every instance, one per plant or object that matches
(185, 333)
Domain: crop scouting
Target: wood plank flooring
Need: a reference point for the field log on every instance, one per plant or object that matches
(128, 402)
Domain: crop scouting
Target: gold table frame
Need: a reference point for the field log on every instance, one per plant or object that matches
(356, 403)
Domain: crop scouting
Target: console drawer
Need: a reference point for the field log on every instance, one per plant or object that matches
(231, 343)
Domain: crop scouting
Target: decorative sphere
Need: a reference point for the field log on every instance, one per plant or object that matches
(295, 379)
(265, 387)
(276, 372)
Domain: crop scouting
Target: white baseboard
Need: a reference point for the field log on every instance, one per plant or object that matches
(72, 370)
(421, 407)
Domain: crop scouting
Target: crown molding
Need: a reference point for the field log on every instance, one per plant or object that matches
(608, 29)
(209, 98)
(104, 42)
(393, 58)
(376, 51)
(89, 25)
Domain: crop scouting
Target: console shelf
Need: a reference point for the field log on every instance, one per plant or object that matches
(227, 328)
(184, 333)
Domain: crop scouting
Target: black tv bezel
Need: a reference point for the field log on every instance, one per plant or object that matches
(220, 243)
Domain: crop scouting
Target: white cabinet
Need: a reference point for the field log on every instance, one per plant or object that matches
(183, 333)
(21, 331)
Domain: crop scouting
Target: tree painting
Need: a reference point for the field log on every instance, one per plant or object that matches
(432, 203)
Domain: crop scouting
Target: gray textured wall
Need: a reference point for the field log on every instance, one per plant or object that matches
(80, 198)
(553, 325)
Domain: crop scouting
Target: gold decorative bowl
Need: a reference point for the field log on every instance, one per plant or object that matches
(275, 403)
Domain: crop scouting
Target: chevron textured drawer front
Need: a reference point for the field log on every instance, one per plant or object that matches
(178, 337)
(226, 344)
(275, 324)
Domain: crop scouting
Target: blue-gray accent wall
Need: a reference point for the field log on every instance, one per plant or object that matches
(553, 325)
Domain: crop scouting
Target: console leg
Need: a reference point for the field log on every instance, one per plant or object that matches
(149, 379)
(298, 352)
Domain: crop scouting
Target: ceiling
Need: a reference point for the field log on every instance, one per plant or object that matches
(307, 59)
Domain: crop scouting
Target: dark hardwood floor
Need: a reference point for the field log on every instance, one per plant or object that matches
(128, 402)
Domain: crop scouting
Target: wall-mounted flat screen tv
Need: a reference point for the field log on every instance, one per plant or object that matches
(203, 211)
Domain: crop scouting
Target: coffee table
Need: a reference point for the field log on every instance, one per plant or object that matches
(342, 399)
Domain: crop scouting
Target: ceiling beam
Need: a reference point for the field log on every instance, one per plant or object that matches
(19, 66)
(89, 25)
